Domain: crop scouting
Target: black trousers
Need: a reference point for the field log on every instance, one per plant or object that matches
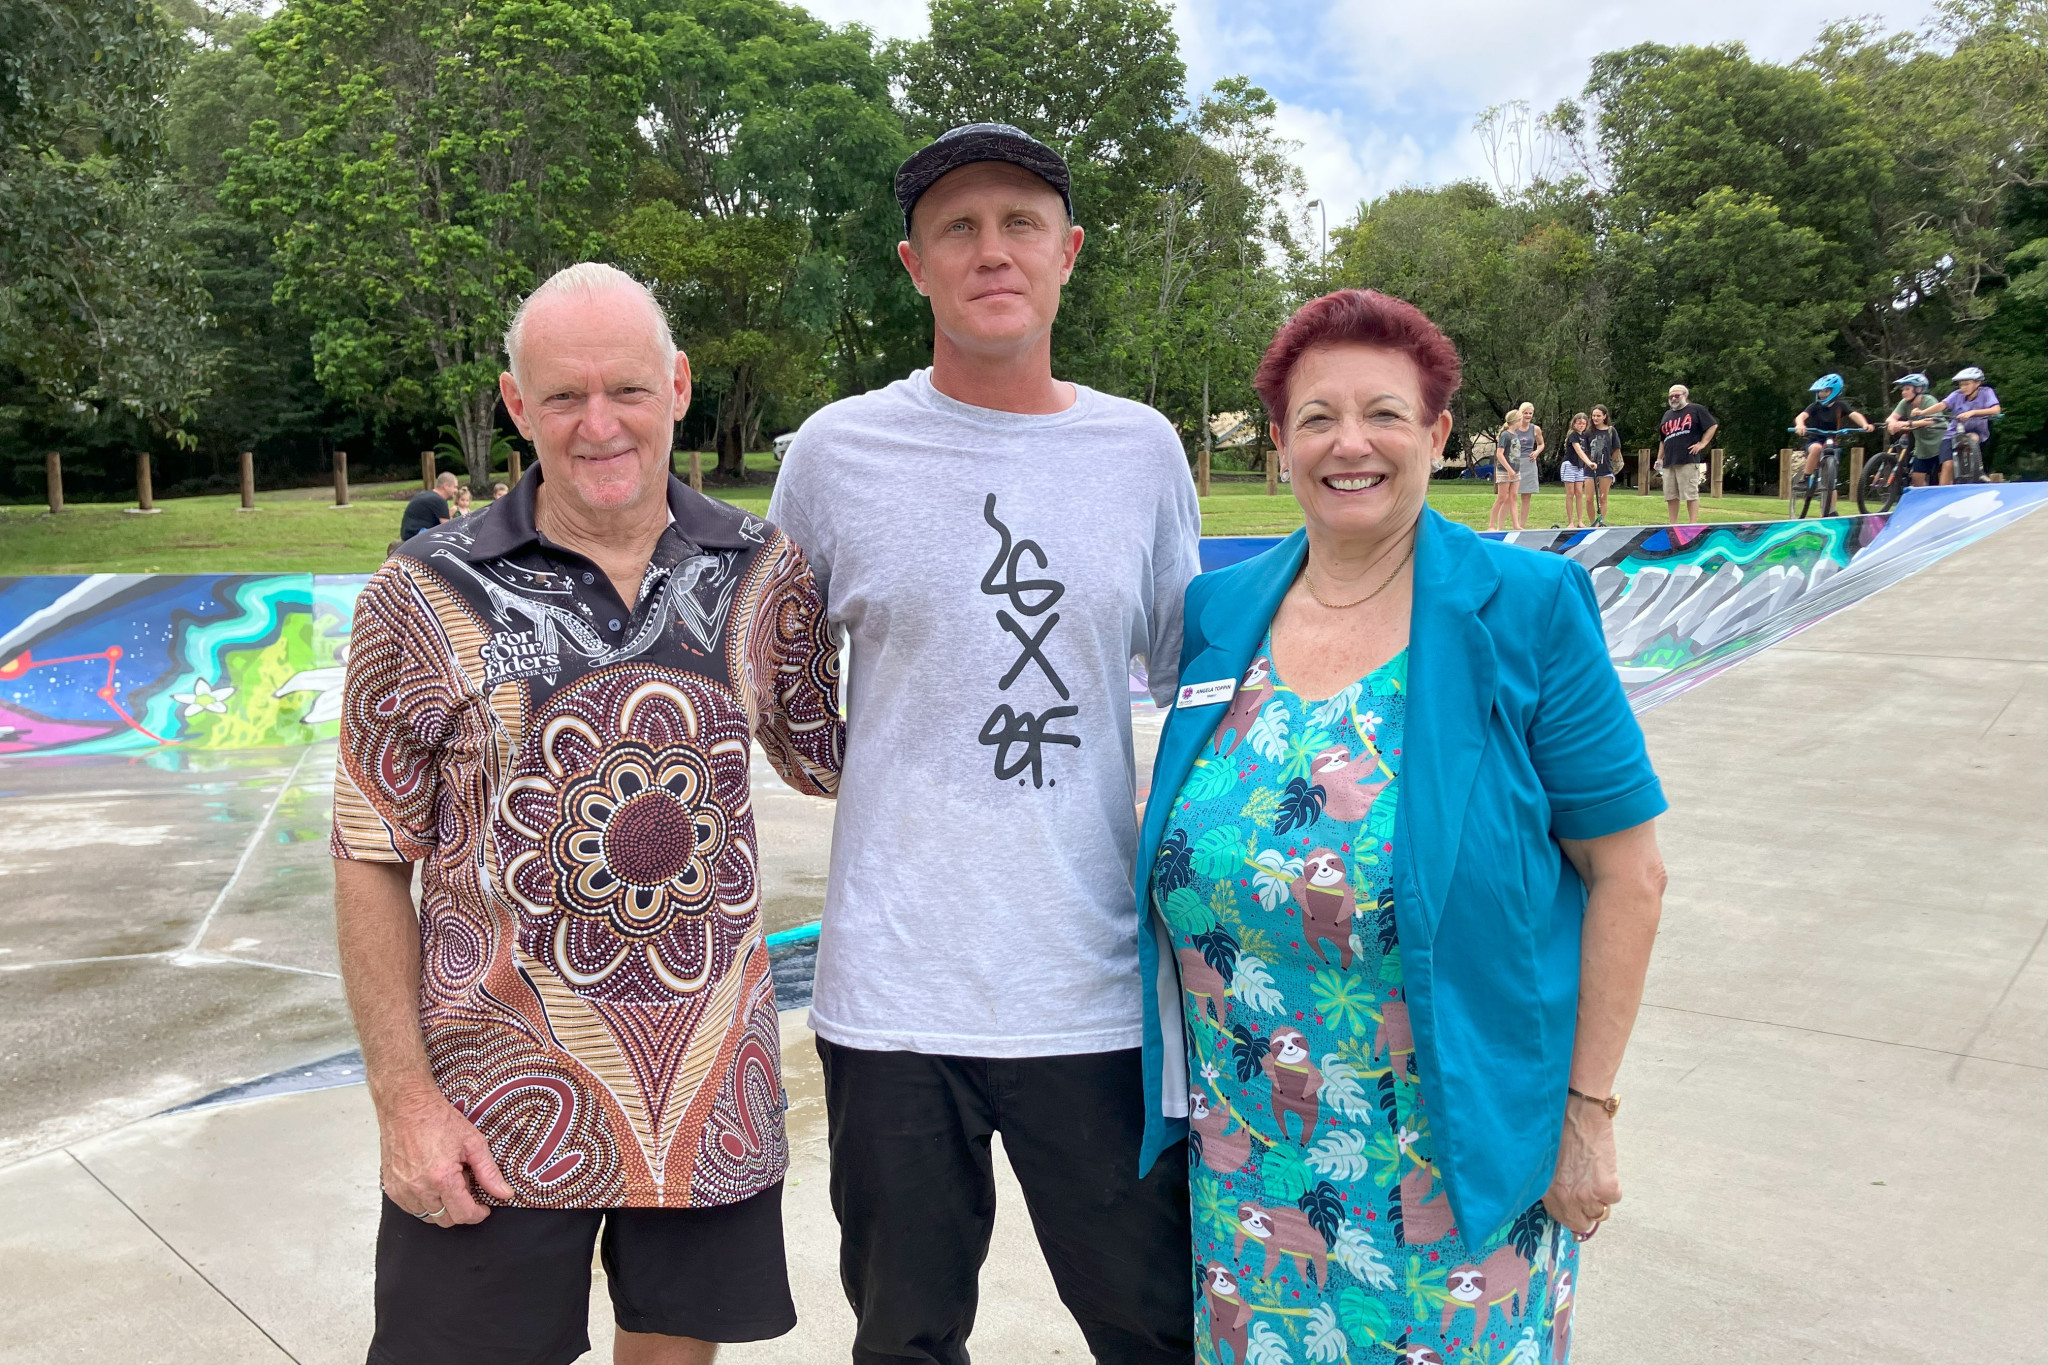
(913, 1186)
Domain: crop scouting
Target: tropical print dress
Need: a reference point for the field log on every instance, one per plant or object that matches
(1321, 1230)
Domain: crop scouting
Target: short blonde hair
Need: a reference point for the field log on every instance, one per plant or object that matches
(589, 279)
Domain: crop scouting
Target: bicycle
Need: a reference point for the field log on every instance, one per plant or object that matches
(1887, 477)
(1809, 486)
(1968, 452)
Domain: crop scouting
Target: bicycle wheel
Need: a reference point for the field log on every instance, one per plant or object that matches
(1876, 491)
(1830, 471)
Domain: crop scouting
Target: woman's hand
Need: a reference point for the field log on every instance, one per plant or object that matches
(1587, 1184)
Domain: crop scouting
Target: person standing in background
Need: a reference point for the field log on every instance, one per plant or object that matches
(1606, 447)
(1684, 435)
(1576, 469)
(1531, 468)
(978, 958)
(1519, 441)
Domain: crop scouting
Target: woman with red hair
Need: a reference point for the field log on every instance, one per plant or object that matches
(1400, 881)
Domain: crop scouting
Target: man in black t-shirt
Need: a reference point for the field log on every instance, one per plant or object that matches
(1684, 435)
(425, 511)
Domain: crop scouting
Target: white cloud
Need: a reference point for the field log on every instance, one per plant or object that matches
(1383, 93)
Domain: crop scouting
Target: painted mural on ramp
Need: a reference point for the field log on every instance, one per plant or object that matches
(151, 663)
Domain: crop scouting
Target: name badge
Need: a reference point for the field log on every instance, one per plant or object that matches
(1207, 693)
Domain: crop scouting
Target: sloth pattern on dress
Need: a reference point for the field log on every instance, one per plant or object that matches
(1321, 1230)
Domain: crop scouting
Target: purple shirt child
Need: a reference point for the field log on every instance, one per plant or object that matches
(1985, 397)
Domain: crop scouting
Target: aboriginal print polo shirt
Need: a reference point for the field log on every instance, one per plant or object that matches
(571, 773)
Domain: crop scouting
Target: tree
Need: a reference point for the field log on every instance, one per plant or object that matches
(100, 312)
(1515, 283)
(446, 155)
(1712, 157)
(771, 146)
(1201, 292)
(1963, 106)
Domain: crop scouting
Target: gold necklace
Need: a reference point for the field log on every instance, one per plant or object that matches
(1308, 577)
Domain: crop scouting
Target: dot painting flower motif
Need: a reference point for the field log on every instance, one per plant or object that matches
(638, 840)
(204, 696)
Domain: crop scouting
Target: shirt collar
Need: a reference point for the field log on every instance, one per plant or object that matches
(507, 524)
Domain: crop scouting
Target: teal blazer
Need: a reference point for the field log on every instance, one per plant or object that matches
(1518, 734)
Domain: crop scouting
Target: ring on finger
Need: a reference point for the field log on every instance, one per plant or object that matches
(430, 1217)
(1587, 1235)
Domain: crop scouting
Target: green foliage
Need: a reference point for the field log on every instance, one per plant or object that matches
(442, 157)
(766, 220)
(100, 311)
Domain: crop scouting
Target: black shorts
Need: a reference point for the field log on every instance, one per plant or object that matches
(515, 1288)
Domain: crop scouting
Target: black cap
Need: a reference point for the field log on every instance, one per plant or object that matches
(971, 142)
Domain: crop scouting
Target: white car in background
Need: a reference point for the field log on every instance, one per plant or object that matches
(782, 445)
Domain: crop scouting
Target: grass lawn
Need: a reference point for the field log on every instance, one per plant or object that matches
(1243, 509)
(296, 530)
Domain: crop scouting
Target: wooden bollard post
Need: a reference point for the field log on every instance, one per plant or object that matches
(1643, 458)
(53, 479)
(1785, 473)
(1202, 472)
(144, 500)
(512, 466)
(1716, 466)
(697, 471)
(341, 478)
(427, 470)
(1855, 468)
(1272, 471)
(248, 481)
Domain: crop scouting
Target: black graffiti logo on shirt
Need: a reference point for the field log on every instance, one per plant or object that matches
(1019, 737)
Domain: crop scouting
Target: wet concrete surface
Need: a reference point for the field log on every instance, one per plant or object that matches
(167, 927)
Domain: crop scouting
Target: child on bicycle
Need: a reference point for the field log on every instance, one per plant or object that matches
(1826, 413)
(1972, 405)
(1920, 414)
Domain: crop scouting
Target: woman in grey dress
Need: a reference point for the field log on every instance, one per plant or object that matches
(1529, 467)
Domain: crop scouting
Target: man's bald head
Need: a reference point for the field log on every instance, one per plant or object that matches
(588, 282)
(446, 483)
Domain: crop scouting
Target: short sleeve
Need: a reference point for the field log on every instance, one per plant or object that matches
(394, 716)
(1176, 559)
(794, 662)
(1586, 744)
(787, 509)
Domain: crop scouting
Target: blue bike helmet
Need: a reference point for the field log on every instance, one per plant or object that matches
(1916, 379)
(1828, 386)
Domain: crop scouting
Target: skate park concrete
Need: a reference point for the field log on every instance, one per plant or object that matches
(1834, 1123)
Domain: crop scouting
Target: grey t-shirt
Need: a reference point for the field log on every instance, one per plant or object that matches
(996, 574)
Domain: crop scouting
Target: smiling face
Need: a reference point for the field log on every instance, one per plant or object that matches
(991, 247)
(599, 398)
(1467, 1284)
(1358, 441)
(1326, 869)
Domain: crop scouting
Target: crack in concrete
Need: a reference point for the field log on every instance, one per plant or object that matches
(166, 1244)
(1960, 1057)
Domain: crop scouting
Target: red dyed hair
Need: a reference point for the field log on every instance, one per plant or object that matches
(1360, 317)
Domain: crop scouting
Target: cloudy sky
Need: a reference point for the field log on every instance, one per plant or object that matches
(1382, 93)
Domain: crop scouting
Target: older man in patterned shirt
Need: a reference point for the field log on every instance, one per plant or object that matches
(549, 710)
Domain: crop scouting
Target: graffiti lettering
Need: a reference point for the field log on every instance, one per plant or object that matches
(1006, 729)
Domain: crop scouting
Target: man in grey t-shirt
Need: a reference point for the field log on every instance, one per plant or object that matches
(999, 547)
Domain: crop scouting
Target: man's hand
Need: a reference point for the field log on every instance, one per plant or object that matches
(1698, 446)
(1587, 1183)
(431, 1153)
